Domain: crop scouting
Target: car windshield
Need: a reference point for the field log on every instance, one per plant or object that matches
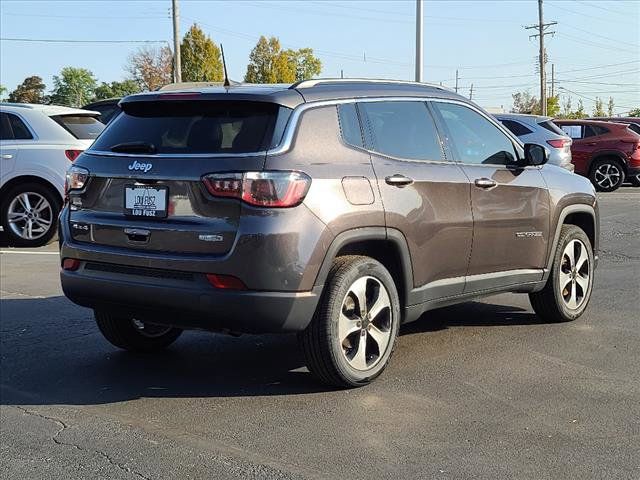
(196, 127)
(83, 127)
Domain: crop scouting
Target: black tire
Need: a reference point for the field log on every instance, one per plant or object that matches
(325, 354)
(635, 180)
(50, 195)
(549, 303)
(604, 185)
(123, 333)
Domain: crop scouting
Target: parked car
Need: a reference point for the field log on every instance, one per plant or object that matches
(633, 122)
(337, 209)
(605, 152)
(38, 143)
(540, 130)
(108, 109)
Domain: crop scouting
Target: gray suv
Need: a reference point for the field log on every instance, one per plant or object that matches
(338, 209)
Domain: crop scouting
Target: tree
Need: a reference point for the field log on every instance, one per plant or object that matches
(304, 63)
(116, 89)
(524, 102)
(635, 112)
(74, 87)
(579, 113)
(610, 106)
(262, 61)
(150, 67)
(553, 106)
(31, 90)
(200, 57)
(598, 109)
(2, 90)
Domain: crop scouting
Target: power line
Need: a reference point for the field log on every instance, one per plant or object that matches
(595, 44)
(607, 9)
(542, 27)
(57, 40)
(89, 17)
(555, 5)
(635, 45)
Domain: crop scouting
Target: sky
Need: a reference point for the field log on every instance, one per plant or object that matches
(595, 48)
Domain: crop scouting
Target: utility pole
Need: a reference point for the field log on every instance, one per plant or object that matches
(541, 27)
(177, 69)
(457, 78)
(553, 79)
(471, 92)
(419, 40)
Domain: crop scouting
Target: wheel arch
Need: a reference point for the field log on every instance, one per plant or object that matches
(388, 246)
(22, 179)
(601, 154)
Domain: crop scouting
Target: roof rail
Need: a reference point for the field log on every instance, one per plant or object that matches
(324, 81)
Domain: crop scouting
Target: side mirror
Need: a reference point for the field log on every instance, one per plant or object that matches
(535, 155)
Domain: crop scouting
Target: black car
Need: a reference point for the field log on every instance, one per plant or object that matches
(108, 109)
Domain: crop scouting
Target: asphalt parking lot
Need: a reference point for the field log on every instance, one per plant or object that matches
(480, 390)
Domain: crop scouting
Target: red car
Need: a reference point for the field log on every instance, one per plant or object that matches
(606, 152)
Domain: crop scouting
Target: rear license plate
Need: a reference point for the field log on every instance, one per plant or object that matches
(145, 201)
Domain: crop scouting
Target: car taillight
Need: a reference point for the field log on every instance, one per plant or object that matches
(76, 178)
(262, 189)
(559, 143)
(72, 154)
(70, 264)
(226, 282)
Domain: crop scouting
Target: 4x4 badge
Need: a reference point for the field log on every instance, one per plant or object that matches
(145, 167)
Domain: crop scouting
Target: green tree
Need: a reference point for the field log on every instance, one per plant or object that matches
(31, 90)
(73, 87)
(524, 102)
(304, 63)
(116, 89)
(151, 68)
(635, 112)
(610, 106)
(200, 57)
(2, 90)
(580, 113)
(553, 106)
(598, 109)
(261, 68)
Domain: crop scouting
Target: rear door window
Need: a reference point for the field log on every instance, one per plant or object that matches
(196, 127)
(474, 139)
(350, 125)
(402, 130)
(13, 128)
(83, 127)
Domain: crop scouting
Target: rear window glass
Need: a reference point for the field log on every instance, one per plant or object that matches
(83, 127)
(197, 127)
(634, 127)
(552, 127)
(516, 128)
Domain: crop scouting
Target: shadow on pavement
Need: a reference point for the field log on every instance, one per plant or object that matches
(53, 354)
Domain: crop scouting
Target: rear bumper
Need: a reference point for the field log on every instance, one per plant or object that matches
(188, 302)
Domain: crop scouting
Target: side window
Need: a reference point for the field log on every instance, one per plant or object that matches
(516, 128)
(474, 138)
(20, 130)
(403, 130)
(350, 125)
(5, 128)
(574, 131)
(598, 130)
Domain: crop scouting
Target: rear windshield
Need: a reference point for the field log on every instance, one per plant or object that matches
(83, 127)
(177, 127)
(552, 127)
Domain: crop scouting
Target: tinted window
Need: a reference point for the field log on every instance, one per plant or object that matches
(13, 128)
(197, 127)
(107, 112)
(474, 138)
(516, 128)
(350, 125)
(403, 130)
(83, 127)
(552, 127)
(634, 127)
(598, 130)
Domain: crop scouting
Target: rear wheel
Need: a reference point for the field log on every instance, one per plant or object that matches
(30, 215)
(607, 174)
(353, 333)
(133, 334)
(568, 290)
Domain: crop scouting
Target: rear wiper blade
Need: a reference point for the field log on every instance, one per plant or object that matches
(134, 147)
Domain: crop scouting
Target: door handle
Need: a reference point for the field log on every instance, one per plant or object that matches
(398, 180)
(485, 182)
(7, 156)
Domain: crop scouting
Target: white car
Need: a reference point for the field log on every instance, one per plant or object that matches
(37, 145)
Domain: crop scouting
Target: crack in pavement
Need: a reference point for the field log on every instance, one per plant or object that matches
(63, 426)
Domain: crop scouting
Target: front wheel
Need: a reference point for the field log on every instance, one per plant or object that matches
(568, 290)
(133, 334)
(353, 333)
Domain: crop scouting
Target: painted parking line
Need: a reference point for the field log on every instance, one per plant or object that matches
(27, 252)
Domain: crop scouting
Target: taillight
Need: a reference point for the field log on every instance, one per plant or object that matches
(559, 143)
(262, 189)
(76, 178)
(226, 282)
(70, 264)
(72, 154)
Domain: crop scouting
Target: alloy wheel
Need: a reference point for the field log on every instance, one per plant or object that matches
(30, 215)
(364, 326)
(574, 274)
(607, 175)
